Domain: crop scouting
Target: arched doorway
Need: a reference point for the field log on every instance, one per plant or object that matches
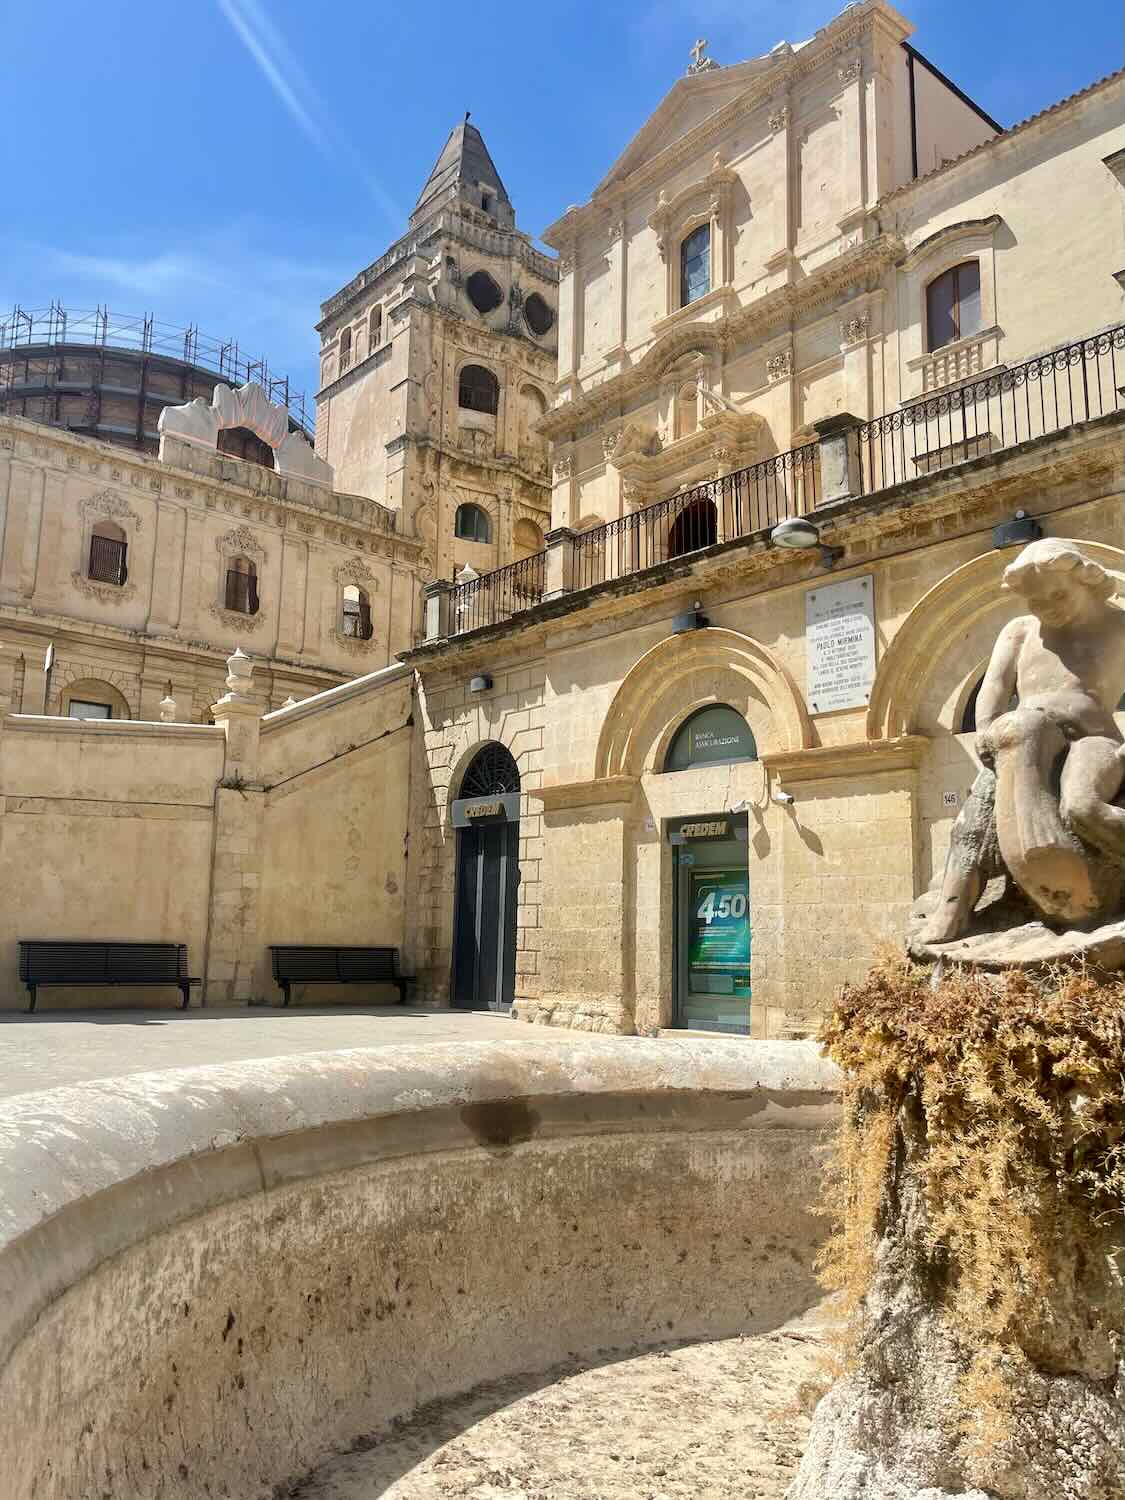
(696, 526)
(486, 816)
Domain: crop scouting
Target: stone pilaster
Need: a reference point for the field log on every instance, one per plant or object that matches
(232, 946)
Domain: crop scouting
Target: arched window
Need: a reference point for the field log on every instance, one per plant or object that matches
(356, 621)
(696, 526)
(374, 329)
(91, 698)
(492, 772)
(241, 593)
(484, 293)
(538, 314)
(345, 349)
(711, 736)
(953, 305)
(478, 390)
(527, 538)
(695, 265)
(471, 524)
(108, 548)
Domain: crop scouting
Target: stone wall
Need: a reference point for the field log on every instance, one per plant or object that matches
(285, 829)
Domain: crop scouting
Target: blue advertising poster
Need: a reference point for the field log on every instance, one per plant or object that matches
(719, 933)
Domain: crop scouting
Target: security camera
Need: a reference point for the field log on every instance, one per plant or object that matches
(777, 795)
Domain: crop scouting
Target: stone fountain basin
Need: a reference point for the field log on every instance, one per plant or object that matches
(213, 1278)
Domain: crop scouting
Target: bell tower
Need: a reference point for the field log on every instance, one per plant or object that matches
(437, 361)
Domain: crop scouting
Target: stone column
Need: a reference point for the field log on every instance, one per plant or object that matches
(232, 940)
(435, 609)
(560, 561)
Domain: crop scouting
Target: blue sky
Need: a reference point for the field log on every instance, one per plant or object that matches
(233, 162)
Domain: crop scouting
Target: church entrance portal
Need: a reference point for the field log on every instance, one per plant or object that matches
(486, 818)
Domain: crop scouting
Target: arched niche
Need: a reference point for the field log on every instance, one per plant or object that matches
(931, 665)
(689, 672)
(79, 699)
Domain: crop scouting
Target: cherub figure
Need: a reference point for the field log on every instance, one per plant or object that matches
(1045, 806)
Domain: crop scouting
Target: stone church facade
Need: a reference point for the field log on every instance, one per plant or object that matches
(830, 344)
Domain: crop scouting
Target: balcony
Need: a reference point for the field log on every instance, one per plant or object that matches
(1069, 385)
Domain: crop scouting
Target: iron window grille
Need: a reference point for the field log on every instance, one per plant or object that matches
(107, 560)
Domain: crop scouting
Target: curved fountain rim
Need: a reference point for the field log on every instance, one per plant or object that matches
(68, 1150)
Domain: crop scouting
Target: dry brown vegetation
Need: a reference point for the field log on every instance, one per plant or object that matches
(993, 1107)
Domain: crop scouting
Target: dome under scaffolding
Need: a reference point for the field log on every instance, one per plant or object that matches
(109, 376)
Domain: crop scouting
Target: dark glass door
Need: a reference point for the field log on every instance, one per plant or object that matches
(484, 947)
(712, 974)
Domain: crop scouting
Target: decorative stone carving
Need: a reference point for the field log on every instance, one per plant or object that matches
(1042, 834)
(168, 709)
(564, 465)
(105, 593)
(854, 330)
(106, 505)
(356, 571)
(248, 406)
(241, 542)
(240, 671)
(566, 264)
(779, 119)
(614, 230)
(849, 70)
(610, 439)
(354, 645)
(780, 366)
(234, 619)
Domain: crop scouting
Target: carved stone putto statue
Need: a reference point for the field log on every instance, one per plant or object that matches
(1042, 834)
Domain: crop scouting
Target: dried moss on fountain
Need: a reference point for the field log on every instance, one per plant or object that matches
(984, 1131)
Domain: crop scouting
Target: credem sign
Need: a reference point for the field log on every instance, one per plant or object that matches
(470, 812)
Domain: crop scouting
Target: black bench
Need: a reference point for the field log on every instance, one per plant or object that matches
(323, 965)
(67, 963)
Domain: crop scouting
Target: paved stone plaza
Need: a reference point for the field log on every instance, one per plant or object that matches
(45, 1051)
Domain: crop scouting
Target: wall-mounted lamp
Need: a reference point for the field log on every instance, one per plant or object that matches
(1017, 532)
(799, 534)
(480, 684)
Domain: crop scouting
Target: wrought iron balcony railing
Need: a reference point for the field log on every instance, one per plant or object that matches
(1074, 383)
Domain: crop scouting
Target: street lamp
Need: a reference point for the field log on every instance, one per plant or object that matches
(799, 534)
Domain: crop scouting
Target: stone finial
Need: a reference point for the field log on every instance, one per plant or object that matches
(240, 669)
(168, 709)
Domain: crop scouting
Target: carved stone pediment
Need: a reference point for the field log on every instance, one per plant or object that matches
(736, 436)
(705, 199)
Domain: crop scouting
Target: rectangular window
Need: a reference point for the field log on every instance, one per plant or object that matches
(107, 560)
(78, 709)
(695, 265)
(242, 592)
(953, 305)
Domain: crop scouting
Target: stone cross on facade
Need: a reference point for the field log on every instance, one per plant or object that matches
(700, 63)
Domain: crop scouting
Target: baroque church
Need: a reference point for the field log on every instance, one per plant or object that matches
(615, 655)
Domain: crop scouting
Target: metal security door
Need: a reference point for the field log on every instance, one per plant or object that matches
(484, 950)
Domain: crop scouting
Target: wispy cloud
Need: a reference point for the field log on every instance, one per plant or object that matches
(227, 279)
(284, 74)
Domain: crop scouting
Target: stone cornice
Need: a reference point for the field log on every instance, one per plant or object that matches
(764, 313)
(840, 35)
(861, 758)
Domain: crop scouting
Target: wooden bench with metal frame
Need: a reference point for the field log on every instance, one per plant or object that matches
(104, 964)
(323, 964)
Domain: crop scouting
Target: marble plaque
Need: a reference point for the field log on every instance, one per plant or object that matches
(840, 644)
